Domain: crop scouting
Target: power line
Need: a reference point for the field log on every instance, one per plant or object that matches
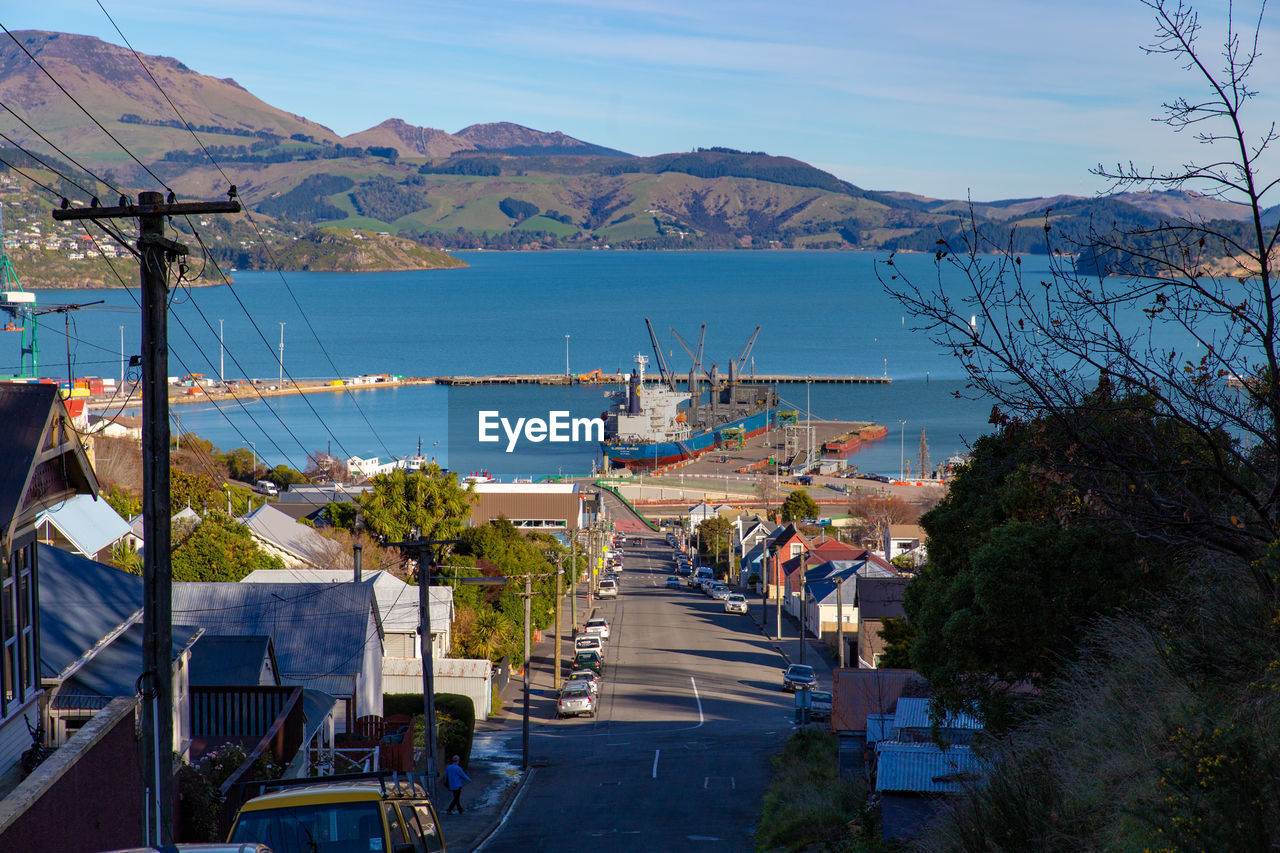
(64, 91)
(52, 145)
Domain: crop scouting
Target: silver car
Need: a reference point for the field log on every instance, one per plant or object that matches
(735, 603)
(576, 701)
(597, 627)
(608, 589)
(588, 680)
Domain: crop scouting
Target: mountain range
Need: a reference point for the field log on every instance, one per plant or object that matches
(497, 184)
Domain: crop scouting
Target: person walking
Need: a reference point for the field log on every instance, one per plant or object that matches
(456, 777)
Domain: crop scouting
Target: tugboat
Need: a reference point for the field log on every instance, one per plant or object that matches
(653, 425)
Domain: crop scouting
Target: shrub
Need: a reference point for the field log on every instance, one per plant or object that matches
(808, 806)
(455, 721)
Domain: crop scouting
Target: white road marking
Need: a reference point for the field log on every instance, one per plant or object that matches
(697, 699)
(655, 762)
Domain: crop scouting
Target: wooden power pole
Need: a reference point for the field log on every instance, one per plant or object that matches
(157, 253)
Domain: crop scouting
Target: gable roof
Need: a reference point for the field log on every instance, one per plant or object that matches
(41, 461)
(114, 668)
(88, 524)
(318, 629)
(912, 712)
(82, 601)
(221, 660)
(270, 524)
(834, 549)
(397, 600)
(880, 597)
(907, 531)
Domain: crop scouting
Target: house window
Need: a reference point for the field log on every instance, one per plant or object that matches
(19, 663)
(796, 549)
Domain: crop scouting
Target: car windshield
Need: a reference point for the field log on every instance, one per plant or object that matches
(327, 828)
(597, 623)
(736, 598)
(799, 671)
(820, 696)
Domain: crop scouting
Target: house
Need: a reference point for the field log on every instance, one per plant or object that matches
(308, 501)
(920, 762)
(327, 636)
(42, 464)
(905, 539)
(397, 607)
(91, 638)
(878, 598)
(914, 780)
(699, 513)
(84, 525)
(547, 507)
(833, 586)
(369, 467)
(118, 426)
(298, 545)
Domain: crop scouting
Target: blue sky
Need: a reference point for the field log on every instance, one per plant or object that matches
(1007, 98)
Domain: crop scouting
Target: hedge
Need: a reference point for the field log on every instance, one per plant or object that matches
(456, 735)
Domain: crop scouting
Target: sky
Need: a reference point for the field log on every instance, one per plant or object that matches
(999, 99)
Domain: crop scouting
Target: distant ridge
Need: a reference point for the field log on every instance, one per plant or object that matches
(409, 139)
(511, 138)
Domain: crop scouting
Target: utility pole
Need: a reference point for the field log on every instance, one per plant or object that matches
(122, 357)
(528, 602)
(804, 605)
(777, 580)
(573, 587)
(158, 253)
(555, 676)
(282, 353)
(840, 621)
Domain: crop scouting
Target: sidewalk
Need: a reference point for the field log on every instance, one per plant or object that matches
(816, 653)
(496, 778)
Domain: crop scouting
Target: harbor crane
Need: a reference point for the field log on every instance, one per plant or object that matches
(20, 305)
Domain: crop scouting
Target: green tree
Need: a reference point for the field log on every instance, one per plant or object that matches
(715, 540)
(284, 476)
(799, 506)
(125, 504)
(427, 501)
(197, 491)
(898, 636)
(241, 463)
(219, 549)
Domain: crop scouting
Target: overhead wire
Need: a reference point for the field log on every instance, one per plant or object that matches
(90, 115)
(54, 146)
(248, 216)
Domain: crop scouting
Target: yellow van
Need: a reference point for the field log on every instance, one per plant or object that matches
(359, 813)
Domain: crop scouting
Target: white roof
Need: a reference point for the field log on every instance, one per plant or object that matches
(397, 600)
(288, 535)
(90, 525)
(527, 488)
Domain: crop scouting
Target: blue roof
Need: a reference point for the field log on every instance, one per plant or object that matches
(219, 660)
(114, 669)
(926, 769)
(89, 524)
(81, 601)
(913, 713)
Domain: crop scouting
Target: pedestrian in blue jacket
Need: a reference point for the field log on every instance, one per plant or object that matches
(456, 777)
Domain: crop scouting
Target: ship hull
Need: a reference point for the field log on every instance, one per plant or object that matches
(660, 454)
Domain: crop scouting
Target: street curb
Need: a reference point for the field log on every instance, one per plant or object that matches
(511, 806)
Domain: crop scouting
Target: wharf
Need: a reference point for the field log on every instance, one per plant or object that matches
(621, 379)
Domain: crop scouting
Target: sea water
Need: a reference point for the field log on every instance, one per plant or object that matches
(821, 313)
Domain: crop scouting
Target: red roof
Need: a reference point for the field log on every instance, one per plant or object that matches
(858, 692)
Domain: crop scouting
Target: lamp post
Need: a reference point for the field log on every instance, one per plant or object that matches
(804, 603)
(282, 353)
(566, 356)
(254, 445)
(222, 378)
(902, 444)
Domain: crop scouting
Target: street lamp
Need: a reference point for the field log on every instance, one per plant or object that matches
(902, 444)
(566, 356)
(282, 353)
(254, 445)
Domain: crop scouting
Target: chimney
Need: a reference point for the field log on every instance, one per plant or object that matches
(357, 555)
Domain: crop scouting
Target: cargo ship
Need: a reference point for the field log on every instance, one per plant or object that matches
(842, 443)
(654, 425)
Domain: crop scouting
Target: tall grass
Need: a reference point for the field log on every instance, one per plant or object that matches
(808, 806)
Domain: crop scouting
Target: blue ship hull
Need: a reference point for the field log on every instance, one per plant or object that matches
(662, 453)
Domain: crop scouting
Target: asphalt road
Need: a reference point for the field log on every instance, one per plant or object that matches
(678, 756)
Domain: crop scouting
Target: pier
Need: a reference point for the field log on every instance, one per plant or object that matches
(621, 379)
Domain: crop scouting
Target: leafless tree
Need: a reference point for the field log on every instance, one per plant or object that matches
(1165, 373)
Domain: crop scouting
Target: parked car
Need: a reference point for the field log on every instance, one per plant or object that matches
(879, 478)
(735, 603)
(598, 627)
(718, 591)
(589, 643)
(585, 675)
(576, 701)
(819, 705)
(584, 678)
(673, 582)
(386, 812)
(608, 588)
(589, 660)
(798, 675)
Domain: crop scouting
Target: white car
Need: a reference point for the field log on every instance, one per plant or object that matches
(589, 643)
(597, 627)
(608, 589)
(736, 602)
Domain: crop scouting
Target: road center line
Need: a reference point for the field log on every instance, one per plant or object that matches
(655, 762)
(697, 699)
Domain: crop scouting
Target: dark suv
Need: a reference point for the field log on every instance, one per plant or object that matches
(798, 675)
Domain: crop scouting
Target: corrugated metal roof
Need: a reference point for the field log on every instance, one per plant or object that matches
(441, 667)
(527, 488)
(397, 600)
(281, 530)
(881, 597)
(319, 629)
(924, 768)
(859, 692)
(114, 669)
(913, 713)
(316, 706)
(81, 601)
(90, 525)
